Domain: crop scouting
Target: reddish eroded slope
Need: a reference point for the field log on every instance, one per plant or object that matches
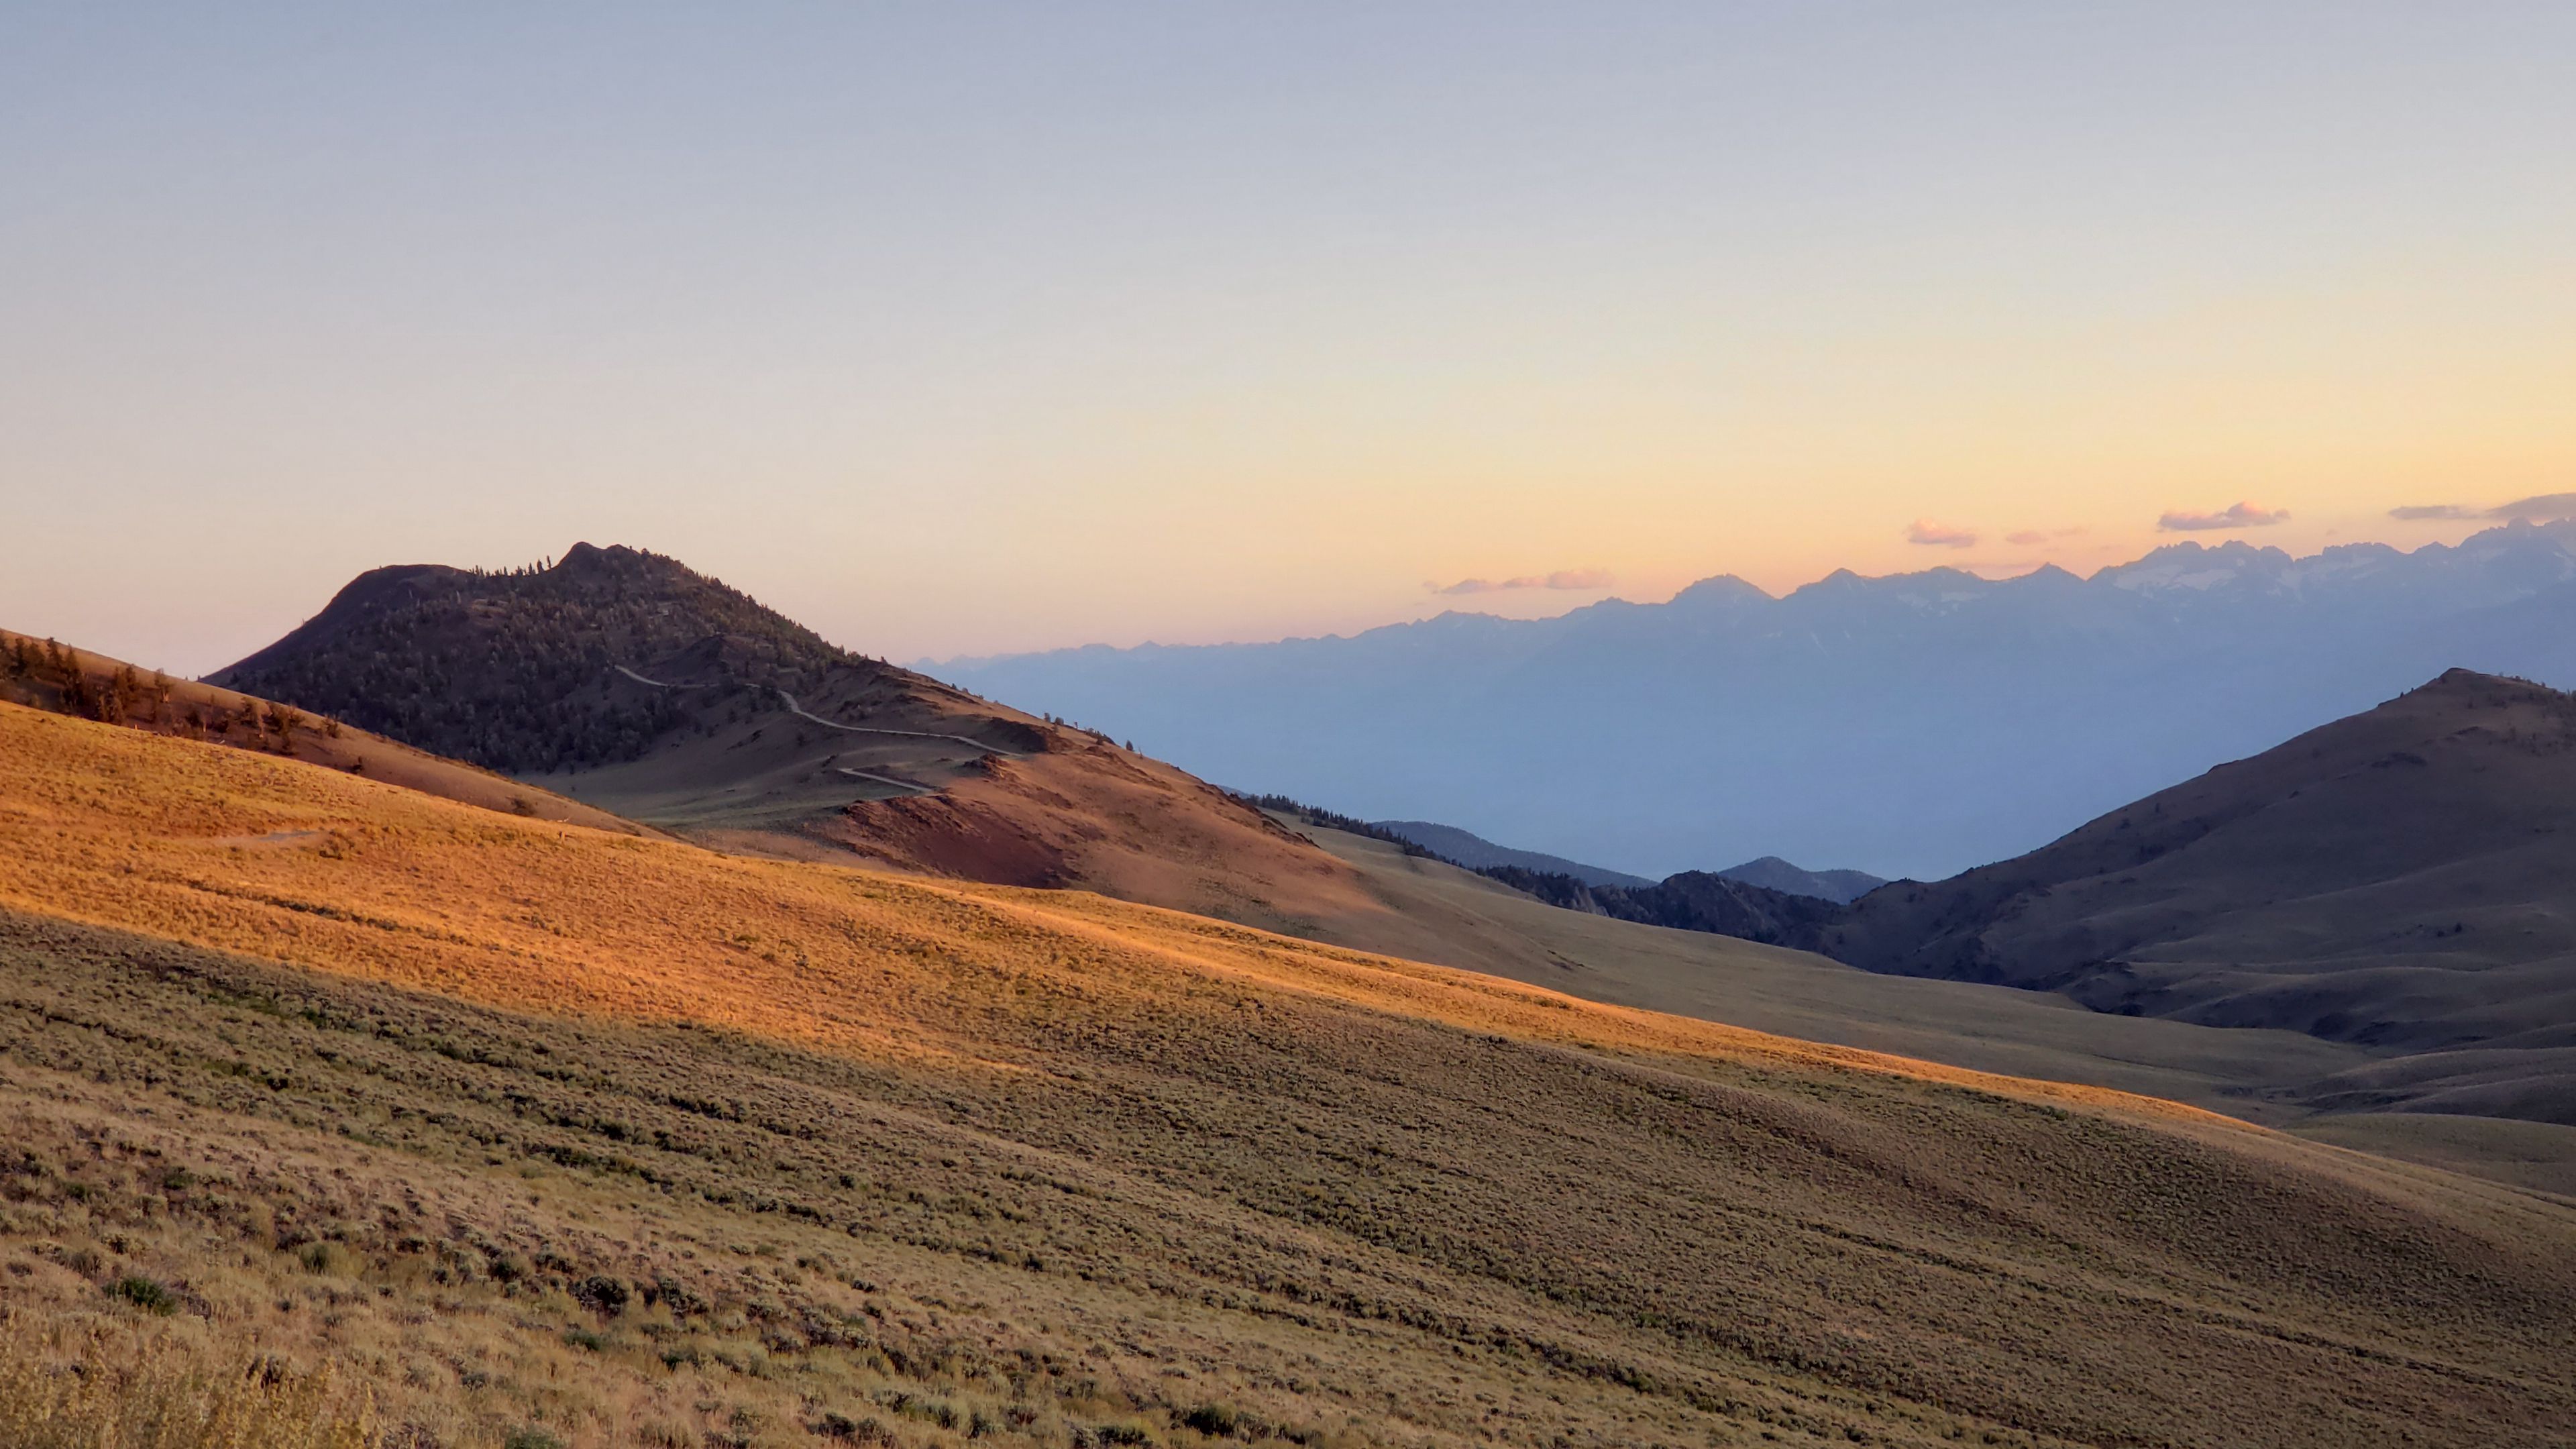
(1088, 814)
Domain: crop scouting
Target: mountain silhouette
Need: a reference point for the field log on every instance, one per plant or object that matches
(1914, 725)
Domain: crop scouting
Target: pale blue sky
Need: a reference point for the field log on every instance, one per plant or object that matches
(969, 328)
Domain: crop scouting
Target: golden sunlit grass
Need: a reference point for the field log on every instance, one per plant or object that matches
(352, 877)
(141, 1390)
(501, 1128)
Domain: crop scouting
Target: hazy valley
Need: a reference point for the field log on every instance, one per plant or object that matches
(1913, 725)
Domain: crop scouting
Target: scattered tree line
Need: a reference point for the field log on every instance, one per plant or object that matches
(1347, 824)
(52, 676)
(1694, 900)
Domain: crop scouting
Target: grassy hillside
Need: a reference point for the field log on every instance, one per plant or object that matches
(43, 674)
(520, 1127)
(2333, 1091)
(1470, 921)
(2404, 879)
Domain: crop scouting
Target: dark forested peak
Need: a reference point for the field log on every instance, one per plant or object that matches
(589, 566)
(1695, 900)
(1773, 873)
(2468, 686)
(537, 667)
(394, 586)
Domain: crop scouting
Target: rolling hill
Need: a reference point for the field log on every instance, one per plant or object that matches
(1769, 872)
(2403, 879)
(1694, 900)
(1477, 853)
(2490, 1108)
(518, 1127)
(1772, 873)
(2284, 1079)
(627, 681)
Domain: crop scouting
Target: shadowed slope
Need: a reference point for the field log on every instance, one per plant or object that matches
(2404, 878)
(1773, 873)
(2335, 1091)
(1456, 1180)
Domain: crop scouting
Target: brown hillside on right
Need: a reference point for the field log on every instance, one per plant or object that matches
(2403, 879)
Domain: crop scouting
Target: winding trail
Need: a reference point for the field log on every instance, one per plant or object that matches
(886, 780)
(801, 712)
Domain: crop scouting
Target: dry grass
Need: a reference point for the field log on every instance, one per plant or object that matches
(419, 1196)
(208, 714)
(1086, 1168)
(320, 1291)
(344, 875)
(2281, 1079)
(111, 1385)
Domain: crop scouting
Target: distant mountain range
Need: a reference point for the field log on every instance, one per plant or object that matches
(1916, 725)
(1770, 872)
(1477, 853)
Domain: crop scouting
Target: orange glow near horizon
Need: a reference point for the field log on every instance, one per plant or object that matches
(950, 340)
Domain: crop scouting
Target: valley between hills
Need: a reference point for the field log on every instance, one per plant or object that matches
(750, 1043)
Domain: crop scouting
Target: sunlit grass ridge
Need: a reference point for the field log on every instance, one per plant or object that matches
(354, 877)
(440, 1085)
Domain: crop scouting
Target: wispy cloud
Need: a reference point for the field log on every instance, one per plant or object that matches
(2540, 508)
(1575, 579)
(2238, 515)
(2025, 537)
(1939, 535)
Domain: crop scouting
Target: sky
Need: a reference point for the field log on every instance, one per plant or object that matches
(963, 329)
